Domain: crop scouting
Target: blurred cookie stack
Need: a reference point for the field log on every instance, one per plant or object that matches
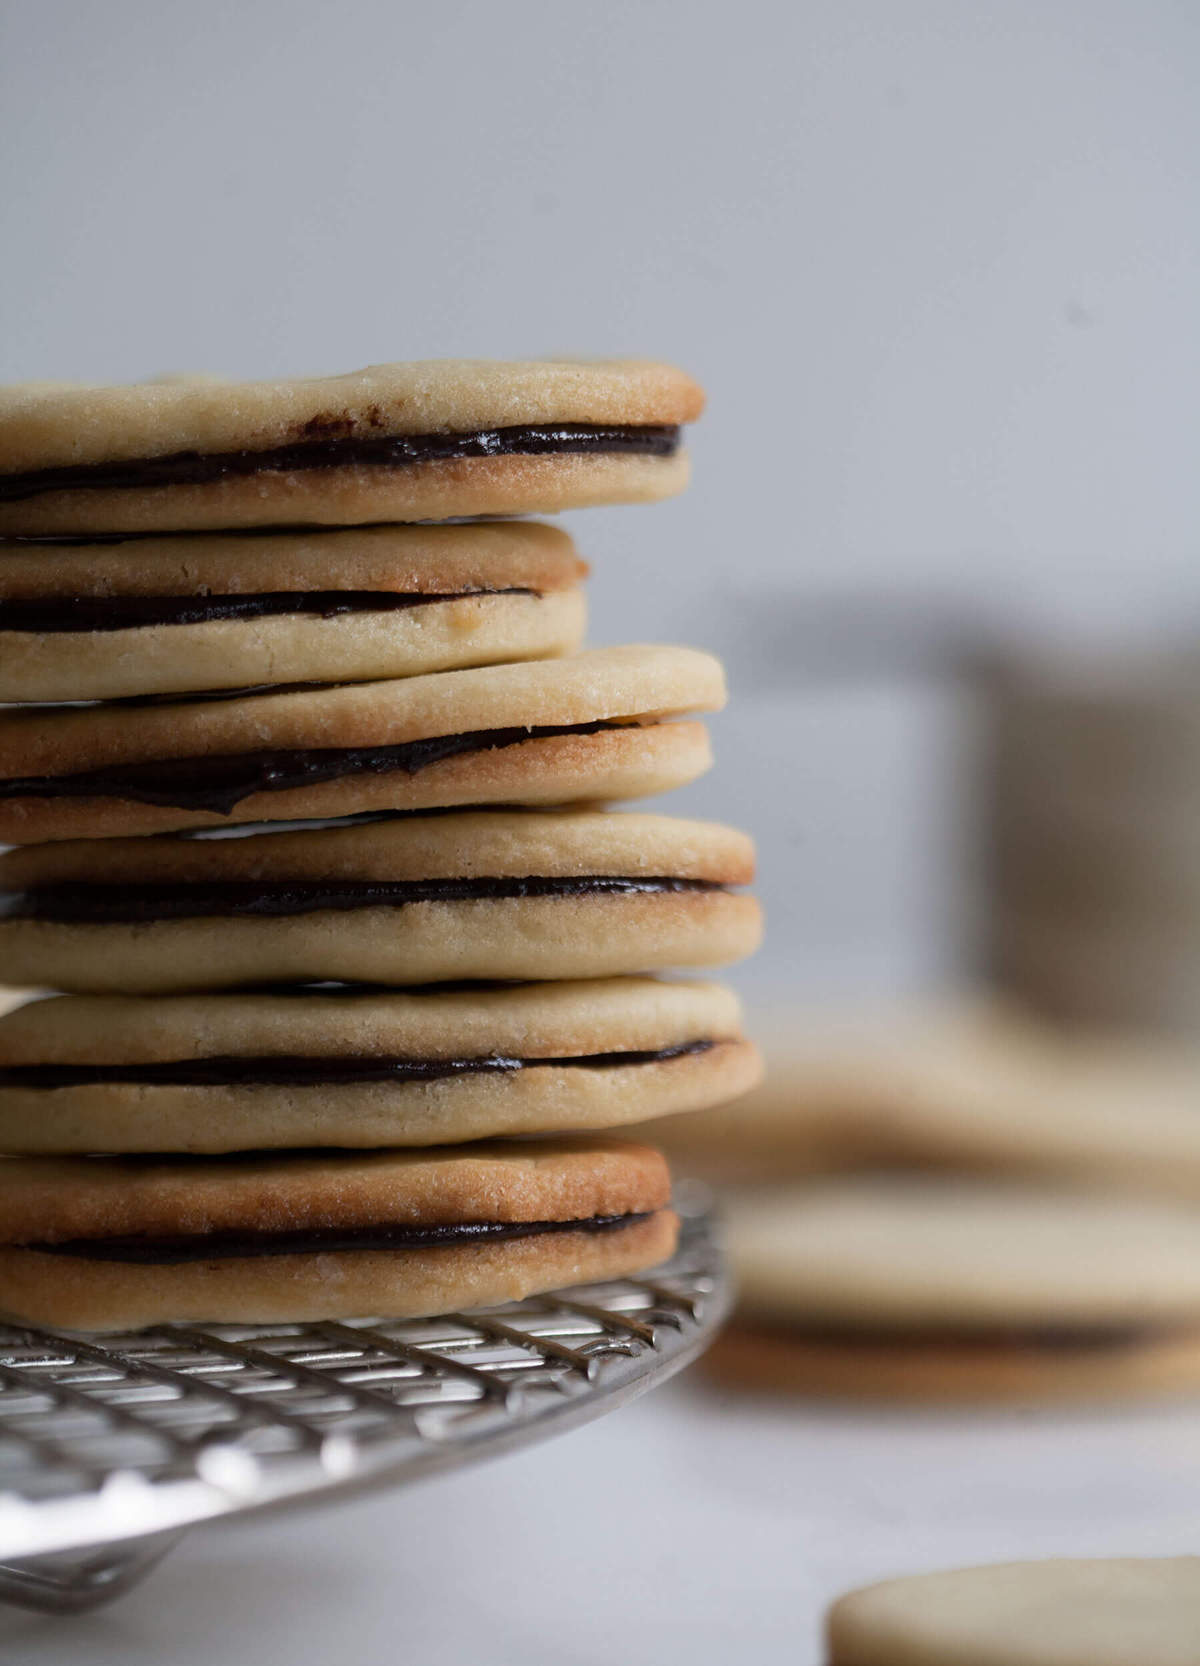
(305, 792)
(998, 1199)
(959, 1204)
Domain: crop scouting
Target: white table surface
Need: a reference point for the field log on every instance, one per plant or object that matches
(688, 1527)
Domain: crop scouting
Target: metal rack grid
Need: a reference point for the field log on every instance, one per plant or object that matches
(111, 1447)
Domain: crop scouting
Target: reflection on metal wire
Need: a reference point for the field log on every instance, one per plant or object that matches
(111, 1446)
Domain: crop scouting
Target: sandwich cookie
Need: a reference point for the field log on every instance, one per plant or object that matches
(1120, 1612)
(395, 442)
(151, 616)
(979, 1087)
(839, 1089)
(545, 732)
(212, 1073)
(421, 899)
(115, 1243)
(955, 1290)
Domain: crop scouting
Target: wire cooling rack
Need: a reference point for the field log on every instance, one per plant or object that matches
(111, 1447)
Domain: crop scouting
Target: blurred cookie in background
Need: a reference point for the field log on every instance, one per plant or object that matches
(973, 1085)
(928, 1288)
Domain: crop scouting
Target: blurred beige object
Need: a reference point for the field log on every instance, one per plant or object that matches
(1131, 975)
(10, 998)
(977, 1086)
(947, 1289)
(1113, 1612)
(837, 1083)
(1092, 800)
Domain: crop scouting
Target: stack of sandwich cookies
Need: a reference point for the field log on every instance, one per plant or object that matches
(280, 1085)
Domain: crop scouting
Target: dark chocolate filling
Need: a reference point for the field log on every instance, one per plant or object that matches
(302, 1070)
(196, 468)
(319, 1240)
(50, 615)
(218, 783)
(1056, 1338)
(85, 904)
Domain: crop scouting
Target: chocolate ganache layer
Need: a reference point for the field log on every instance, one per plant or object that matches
(1048, 1337)
(50, 615)
(302, 1070)
(197, 468)
(90, 904)
(240, 1244)
(218, 783)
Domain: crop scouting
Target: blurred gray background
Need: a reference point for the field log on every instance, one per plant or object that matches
(935, 262)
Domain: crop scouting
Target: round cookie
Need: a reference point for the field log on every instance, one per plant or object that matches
(973, 1086)
(1118, 1612)
(115, 1243)
(244, 1072)
(585, 727)
(955, 1290)
(397, 442)
(421, 899)
(839, 1089)
(140, 616)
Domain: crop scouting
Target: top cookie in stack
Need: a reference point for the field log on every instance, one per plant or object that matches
(398, 442)
(215, 611)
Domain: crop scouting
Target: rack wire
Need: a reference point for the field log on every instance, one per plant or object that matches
(111, 1447)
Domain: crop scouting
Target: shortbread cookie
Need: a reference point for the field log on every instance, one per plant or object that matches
(1118, 1612)
(114, 1243)
(586, 727)
(399, 442)
(212, 1073)
(420, 899)
(140, 616)
(972, 1086)
(841, 1088)
(957, 1290)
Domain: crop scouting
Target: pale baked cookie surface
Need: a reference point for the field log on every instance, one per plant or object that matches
(977, 1086)
(152, 616)
(103, 1244)
(586, 727)
(483, 894)
(927, 1289)
(401, 442)
(1114, 1612)
(362, 1068)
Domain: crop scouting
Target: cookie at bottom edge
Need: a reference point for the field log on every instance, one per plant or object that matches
(78, 1293)
(1110, 1611)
